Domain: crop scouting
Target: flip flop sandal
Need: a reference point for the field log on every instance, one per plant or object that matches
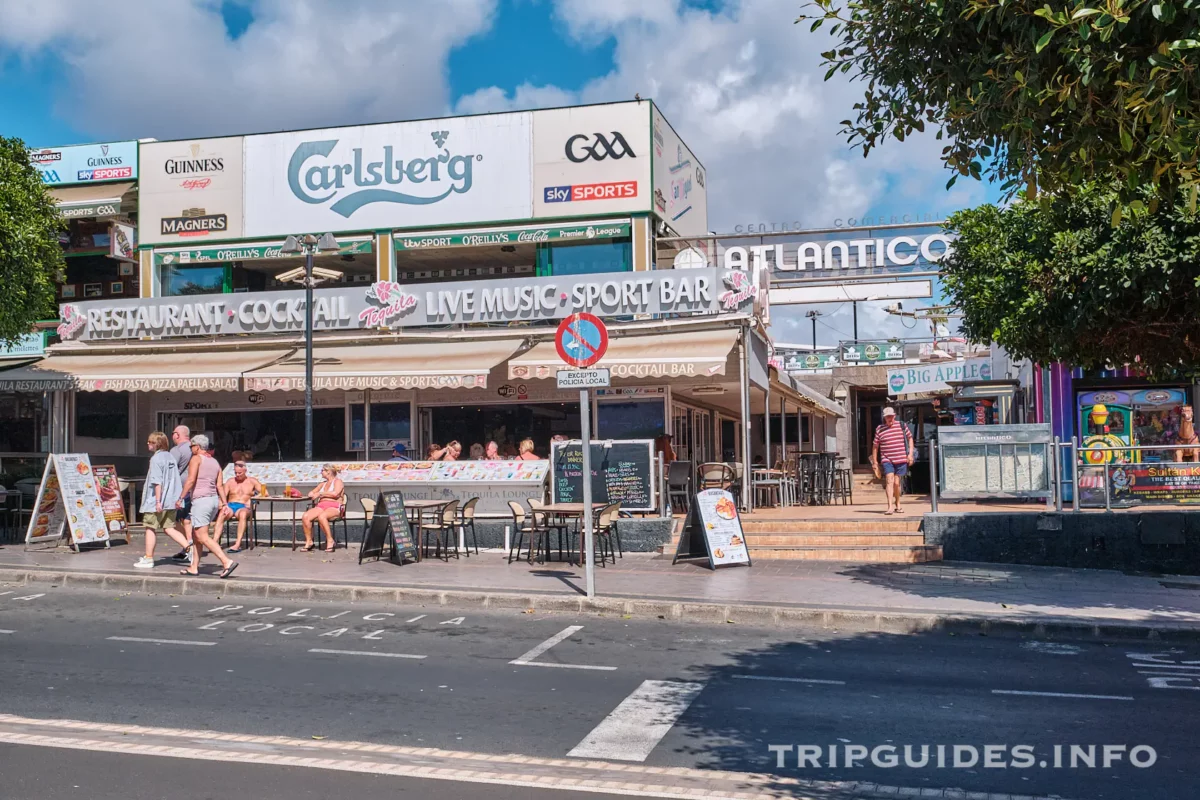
(225, 573)
(191, 574)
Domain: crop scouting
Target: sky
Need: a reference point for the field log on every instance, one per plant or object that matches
(737, 79)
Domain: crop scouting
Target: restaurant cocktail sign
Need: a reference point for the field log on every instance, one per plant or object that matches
(387, 304)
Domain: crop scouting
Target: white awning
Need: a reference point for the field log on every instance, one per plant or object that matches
(102, 200)
(421, 365)
(665, 355)
(194, 371)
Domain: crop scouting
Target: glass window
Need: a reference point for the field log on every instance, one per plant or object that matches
(389, 422)
(639, 419)
(613, 255)
(102, 415)
(188, 279)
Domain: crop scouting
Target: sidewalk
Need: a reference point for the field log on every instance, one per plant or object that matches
(834, 594)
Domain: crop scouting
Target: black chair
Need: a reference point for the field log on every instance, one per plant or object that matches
(521, 527)
(466, 519)
(679, 486)
(443, 525)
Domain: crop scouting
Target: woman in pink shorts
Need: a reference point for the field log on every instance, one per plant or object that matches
(329, 502)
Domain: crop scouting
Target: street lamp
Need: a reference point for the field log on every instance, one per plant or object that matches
(813, 316)
(309, 244)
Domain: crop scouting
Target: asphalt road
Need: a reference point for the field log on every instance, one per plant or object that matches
(650, 693)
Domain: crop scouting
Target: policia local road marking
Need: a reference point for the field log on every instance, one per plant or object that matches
(591, 776)
(298, 628)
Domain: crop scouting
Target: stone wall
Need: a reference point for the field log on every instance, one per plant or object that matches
(1143, 541)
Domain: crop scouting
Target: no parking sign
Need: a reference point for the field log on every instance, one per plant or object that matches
(581, 340)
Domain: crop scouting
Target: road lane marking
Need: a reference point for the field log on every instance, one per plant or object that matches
(638, 724)
(414, 619)
(583, 776)
(363, 653)
(788, 680)
(158, 641)
(2, 632)
(1064, 694)
(561, 666)
(546, 645)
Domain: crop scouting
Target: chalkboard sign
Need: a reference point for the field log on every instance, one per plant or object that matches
(713, 530)
(389, 524)
(622, 471)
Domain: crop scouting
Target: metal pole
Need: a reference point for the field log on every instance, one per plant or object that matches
(933, 477)
(1107, 497)
(767, 425)
(585, 431)
(854, 305)
(662, 486)
(308, 354)
(367, 425)
(814, 346)
(1057, 474)
(1074, 474)
(744, 382)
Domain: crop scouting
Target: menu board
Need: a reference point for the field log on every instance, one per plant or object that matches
(713, 530)
(50, 512)
(400, 472)
(111, 500)
(622, 471)
(389, 522)
(74, 491)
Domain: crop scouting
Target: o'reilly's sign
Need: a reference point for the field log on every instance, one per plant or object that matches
(503, 236)
(387, 304)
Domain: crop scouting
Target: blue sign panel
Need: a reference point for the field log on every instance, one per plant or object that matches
(86, 163)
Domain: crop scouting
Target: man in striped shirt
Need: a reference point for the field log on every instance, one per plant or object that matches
(892, 452)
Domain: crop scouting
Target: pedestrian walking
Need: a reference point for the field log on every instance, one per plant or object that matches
(182, 453)
(208, 495)
(163, 488)
(892, 453)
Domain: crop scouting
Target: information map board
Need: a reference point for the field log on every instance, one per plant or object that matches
(389, 525)
(622, 470)
(68, 494)
(713, 530)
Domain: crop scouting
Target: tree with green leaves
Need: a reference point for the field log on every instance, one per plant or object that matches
(31, 259)
(1055, 280)
(1033, 95)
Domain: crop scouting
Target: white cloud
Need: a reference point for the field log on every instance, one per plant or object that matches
(169, 69)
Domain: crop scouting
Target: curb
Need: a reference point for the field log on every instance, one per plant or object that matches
(848, 620)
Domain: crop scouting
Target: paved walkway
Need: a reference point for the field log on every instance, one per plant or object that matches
(938, 588)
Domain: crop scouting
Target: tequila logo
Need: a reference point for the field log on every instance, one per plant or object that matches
(72, 321)
(740, 290)
(393, 302)
(314, 179)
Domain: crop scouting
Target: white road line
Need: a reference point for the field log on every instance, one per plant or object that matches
(364, 653)
(561, 666)
(1063, 694)
(638, 724)
(2, 632)
(1152, 665)
(787, 680)
(546, 645)
(158, 641)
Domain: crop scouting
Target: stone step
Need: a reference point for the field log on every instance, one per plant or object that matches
(891, 554)
(800, 540)
(881, 524)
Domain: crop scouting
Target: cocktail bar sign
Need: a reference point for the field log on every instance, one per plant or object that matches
(387, 304)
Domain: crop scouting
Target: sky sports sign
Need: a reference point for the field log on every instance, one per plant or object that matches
(86, 163)
(619, 190)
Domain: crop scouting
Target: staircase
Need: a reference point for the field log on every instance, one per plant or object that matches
(886, 540)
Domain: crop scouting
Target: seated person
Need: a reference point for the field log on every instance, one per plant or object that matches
(240, 490)
(329, 503)
(399, 452)
(527, 453)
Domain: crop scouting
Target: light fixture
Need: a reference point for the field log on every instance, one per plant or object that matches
(291, 245)
(326, 242)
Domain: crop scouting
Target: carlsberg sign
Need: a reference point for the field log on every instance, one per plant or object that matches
(406, 174)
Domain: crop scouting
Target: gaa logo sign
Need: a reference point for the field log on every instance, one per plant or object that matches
(580, 148)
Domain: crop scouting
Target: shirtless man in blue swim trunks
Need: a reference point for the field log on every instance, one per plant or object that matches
(239, 491)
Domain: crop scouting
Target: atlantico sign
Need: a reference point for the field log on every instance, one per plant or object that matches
(387, 304)
(841, 254)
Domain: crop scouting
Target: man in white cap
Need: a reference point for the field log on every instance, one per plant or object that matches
(892, 454)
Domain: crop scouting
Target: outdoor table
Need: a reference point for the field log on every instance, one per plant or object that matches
(295, 501)
(572, 510)
(416, 510)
